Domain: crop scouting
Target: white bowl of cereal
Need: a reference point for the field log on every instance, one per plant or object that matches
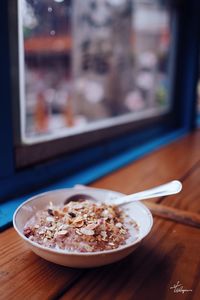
(81, 234)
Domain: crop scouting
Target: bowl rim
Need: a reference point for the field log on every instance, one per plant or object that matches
(67, 252)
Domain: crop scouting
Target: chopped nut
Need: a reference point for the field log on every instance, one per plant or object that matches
(122, 231)
(41, 232)
(92, 226)
(104, 234)
(118, 225)
(83, 227)
(78, 223)
(52, 228)
(105, 213)
(78, 232)
(87, 231)
(62, 232)
(78, 206)
(63, 227)
(111, 244)
(77, 219)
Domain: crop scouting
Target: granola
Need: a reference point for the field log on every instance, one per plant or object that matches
(81, 226)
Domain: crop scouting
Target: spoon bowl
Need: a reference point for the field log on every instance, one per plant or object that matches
(79, 198)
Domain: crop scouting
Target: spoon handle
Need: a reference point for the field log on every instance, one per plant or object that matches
(170, 188)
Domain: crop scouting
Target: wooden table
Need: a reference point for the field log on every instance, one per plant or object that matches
(170, 254)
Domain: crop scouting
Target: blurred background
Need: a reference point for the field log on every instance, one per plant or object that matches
(91, 63)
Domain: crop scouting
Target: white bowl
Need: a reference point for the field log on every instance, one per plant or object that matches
(138, 211)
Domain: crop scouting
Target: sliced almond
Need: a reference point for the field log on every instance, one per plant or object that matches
(105, 213)
(62, 232)
(78, 224)
(104, 234)
(78, 232)
(63, 227)
(111, 244)
(78, 206)
(92, 226)
(41, 232)
(119, 225)
(87, 231)
(78, 219)
(122, 231)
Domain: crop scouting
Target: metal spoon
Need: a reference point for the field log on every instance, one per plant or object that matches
(170, 188)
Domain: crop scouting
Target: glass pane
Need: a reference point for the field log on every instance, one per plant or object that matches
(90, 64)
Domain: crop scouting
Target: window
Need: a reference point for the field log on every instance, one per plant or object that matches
(68, 103)
(90, 65)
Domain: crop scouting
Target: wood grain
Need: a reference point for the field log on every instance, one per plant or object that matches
(174, 161)
(189, 198)
(169, 254)
(23, 275)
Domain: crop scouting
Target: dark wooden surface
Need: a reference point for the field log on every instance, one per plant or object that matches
(169, 254)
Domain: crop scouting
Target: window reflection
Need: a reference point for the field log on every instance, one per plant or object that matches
(93, 61)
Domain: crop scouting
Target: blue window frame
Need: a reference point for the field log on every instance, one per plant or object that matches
(96, 160)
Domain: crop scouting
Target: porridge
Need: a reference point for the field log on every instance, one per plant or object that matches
(82, 227)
